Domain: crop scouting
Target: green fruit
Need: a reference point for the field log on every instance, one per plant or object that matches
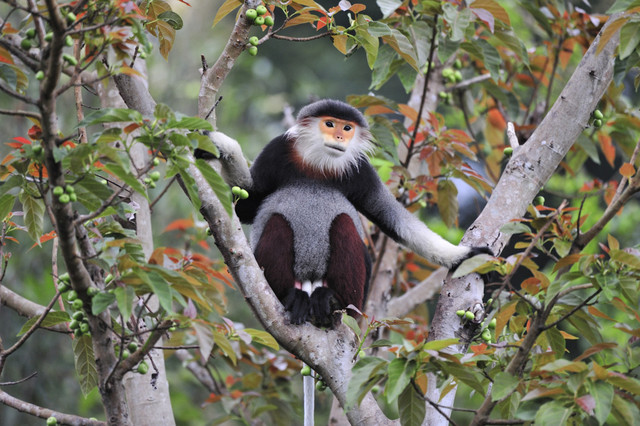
(155, 176)
(133, 346)
(251, 14)
(31, 33)
(25, 44)
(143, 368)
(68, 41)
(48, 36)
(457, 75)
(156, 161)
(58, 191)
(306, 370)
(209, 231)
(261, 10)
(78, 315)
(597, 122)
(74, 324)
(259, 21)
(268, 20)
(539, 200)
(108, 278)
(73, 295)
(77, 304)
(244, 194)
(73, 197)
(490, 301)
(77, 332)
(70, 59)
(460, 313)
(236, 190)
(508, 151)
(253, 51)
(40, 75)
(457, 64)
(447, 72)
(63, 287)
(469, 315)
(254, 40)
(320, 385)
(92, 291)
(37, 149)
(52, 421)
(598, 114)
(443, 95)
(64, 277)
(492, 324)
(125, 354)
(64, 198)
(69, 189)
(71, 17)
(152, 184)
(486, 336)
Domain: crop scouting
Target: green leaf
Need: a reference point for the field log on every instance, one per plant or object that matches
(503, 385)
(629, 384)
(6, 205)
(85, 363)
(629, 38)
(401, 44)
(367, 371)
(162, 290)
(436, 345)
(625, 258)
(464, 374)
(448, 202)
(622, 6)
(387, 7)
(411, 407)
(350, 322)
(492, 60)
(172, 19)
(368, 42)
(225, 346)
(624, 411)
(101, 301)
(400, 372)
(219, 186)
(52, 318)
(540, 17)
(511, 228)
(458, 20)
(471, 265)
(263, 338)
(205, 143)
(190, 123)
(111, 115)
(602, 393)
(553, 413)
(124, 297)
(126, 177)
(33, 214)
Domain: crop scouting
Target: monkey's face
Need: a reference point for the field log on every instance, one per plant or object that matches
(330, 145)
(336, 134)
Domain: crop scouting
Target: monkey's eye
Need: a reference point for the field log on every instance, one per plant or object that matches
(347, 128)
(329, 123)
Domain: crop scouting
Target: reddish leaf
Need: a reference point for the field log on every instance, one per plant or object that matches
(627, 170)
(46, 237)
(485, 16)
(322, 22)
(595, 349)
(179, 224)
(587, 403)
(35, 132)
(5, 56)
(607, 147)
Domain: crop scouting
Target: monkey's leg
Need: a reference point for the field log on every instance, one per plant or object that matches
(346, 272)
(274, 253)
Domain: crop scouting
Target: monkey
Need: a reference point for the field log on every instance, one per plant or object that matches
(306, 188)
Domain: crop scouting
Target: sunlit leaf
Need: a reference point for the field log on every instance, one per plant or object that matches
(227, 7)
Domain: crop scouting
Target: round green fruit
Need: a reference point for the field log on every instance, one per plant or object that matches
(251, 14)
(70, 59)
(71, 17)
(40, 75)
(84, 327)
(48, 36)
(486, 336)
(78, 315)
(77, 304)
(58, 191)
(156, 161)
(261, 10)
(244, 194)
(63, 287)
(492, 324)
(443, 95)
(30, 33)
(457, 64)
(268, 20)
(259, 21)
(155, 176)
(52, 421)
(508, 151)
(64, 198)
(539, 200)
(126, 354)
(460, 313)
(69, 189)
(92, 291)
(68, 41)
(469, 315)
(457, 75)
(320, 385)
(25, 44)
(597, 122)
(598, 114)
(143, 368)
(133, 346)
(74, 324)
(306, 370)
(73, 295)
(254, 40)
(253, 51)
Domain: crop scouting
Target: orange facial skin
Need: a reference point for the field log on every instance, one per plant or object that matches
(337, 133)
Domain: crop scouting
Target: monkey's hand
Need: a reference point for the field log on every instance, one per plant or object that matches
(297, 304)
(232, 164)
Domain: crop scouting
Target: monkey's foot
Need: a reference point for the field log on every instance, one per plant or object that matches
(323, 304)
(297, 304)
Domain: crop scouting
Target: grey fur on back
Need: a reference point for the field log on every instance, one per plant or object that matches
(310, 209)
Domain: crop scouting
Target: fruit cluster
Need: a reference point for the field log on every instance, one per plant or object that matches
(240, 193)
(486, 331)
(79, 324)
(597, 116)
(257, 17)
(66, 194)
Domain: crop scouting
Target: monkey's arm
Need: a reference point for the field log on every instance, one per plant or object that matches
(377, 203)
(232, 165)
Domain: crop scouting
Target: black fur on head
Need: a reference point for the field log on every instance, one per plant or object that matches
(333, 108)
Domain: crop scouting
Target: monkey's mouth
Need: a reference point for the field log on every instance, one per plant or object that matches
(335, 147)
